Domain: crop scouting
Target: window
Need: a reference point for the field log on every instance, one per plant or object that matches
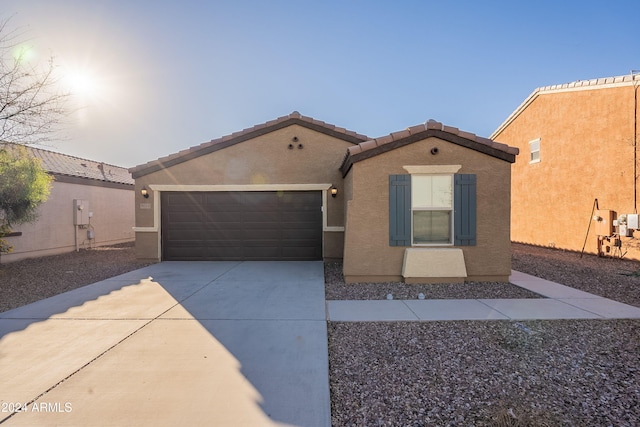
(431, 209)
(534, 151)
(441, 209)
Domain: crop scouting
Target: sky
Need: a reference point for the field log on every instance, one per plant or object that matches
(150, 78)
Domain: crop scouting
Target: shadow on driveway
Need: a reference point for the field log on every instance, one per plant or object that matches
(193, 343)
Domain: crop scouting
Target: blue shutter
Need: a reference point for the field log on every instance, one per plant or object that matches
(399, 210)
(464, 210)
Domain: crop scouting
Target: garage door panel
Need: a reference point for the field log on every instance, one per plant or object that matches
(294, 252)
(182, 201)
(300, 217)
(242, 226)
(301, 234)
(221, 198)
(192, 252)
(260, 234)
(177, 217)
(189, 236)
(261, 253)
(300, 225)
(223, 253)
(220, 235)
(260, 217)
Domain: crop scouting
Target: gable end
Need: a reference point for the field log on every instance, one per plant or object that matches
(242, 136)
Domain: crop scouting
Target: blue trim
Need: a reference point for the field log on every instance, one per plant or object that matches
(464, 210)
(399, 210)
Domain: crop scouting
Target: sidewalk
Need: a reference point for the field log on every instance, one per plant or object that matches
(561, 302)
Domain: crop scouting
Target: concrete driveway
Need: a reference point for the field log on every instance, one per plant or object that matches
(176, 343)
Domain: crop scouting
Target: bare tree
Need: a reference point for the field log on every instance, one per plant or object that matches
(32, 106)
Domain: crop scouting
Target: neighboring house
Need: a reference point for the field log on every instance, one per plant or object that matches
(427, 204)
(105, 193)
(579, 144)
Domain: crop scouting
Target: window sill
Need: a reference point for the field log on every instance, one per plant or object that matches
(420, 263)
(431, 245)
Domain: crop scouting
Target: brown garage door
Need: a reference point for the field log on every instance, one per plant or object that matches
(242, 225)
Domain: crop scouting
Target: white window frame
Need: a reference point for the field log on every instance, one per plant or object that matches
(532, 150)
(433, 208)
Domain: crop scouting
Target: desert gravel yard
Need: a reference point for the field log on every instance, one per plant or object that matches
(461, 373)
(491, 373)
(30, 280)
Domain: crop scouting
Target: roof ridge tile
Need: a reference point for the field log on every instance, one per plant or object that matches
(382, 140)
(354, 149)
(433, 124)
(400, 134)
(416, 129)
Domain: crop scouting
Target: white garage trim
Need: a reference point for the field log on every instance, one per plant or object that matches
(159, 188)
(242, 187)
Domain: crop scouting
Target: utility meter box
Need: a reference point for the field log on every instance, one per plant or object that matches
(623, 230)
(632, 221)
(604, 222)
(80, 212)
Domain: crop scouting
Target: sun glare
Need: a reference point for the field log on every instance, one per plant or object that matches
(89, 89)
(81, 83)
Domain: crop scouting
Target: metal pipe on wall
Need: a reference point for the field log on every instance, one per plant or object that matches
(635, 142)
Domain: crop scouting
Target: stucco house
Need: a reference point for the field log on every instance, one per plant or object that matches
(90, 205)
(426, 204)
(577, 180)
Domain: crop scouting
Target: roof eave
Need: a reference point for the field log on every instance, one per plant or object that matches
(579, 85)
(350, 159)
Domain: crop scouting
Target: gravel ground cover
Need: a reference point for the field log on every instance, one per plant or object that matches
(30, 280)
(336, 289)
(480, 373)
(490, 373)
(495, 373)
(614, 278)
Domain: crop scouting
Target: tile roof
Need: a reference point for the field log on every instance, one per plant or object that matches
(600, 83)
(629, 78)
(65, 165)
(431, 128)
(246, 134)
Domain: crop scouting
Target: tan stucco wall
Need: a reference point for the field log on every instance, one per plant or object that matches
(53, 233)
(368, 256)
(586, 153)
(263, 160)
(333, 245)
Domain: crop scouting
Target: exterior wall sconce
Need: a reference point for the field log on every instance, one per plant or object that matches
(144, 192)
(334, 191)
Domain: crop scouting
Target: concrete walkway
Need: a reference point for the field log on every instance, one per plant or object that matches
(189, 343)
(562, 302)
